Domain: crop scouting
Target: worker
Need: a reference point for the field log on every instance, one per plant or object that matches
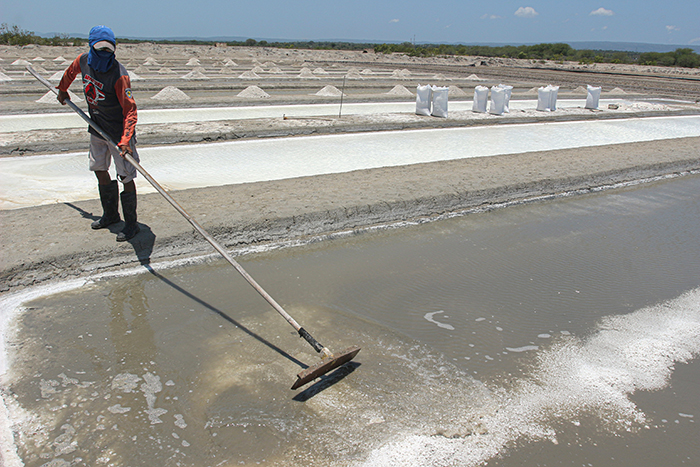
(107, 90)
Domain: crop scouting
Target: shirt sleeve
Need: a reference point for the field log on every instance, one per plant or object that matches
(123, 90)
(69, 75)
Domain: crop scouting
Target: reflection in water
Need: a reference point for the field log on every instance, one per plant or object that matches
(547, 328)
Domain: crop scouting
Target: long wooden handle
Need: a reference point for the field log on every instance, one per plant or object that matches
(217, 246)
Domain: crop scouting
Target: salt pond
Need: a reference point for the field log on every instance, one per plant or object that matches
(556, 333)
(29, 181)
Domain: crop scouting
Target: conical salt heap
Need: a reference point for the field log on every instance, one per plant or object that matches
(249, 75)
(150, 61)
(306, 74)
(21, 62)
(195, 74)
(454, 91)
(170, 93)
(4, 77)
(320, 71)
(59, 59)
(50, 98)
(400, 90)
(253, 92)
(193, 62)
(329, 91)
(165, 71)
(56, 76)
(133, 76)
(229, 62)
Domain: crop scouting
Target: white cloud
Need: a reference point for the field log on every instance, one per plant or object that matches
(602, 12)
(693, 41)
(526, 12)
(487, 16)
(670, 29)
(394, 21)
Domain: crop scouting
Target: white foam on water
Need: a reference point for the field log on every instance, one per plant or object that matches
(429, 317)
(595, 376)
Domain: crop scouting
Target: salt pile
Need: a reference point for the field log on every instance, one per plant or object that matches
(4, 77)
(366, 71)
(401, 74)
(150, 61)
(354, 75)
(329, 91)
(454, 91)
(306, 74)
(165, 70)
(617, 91)
(253, 92)
(38, 59)
(400, 90)
(21, 62)
(230, 62)
(226, 70)
(142, 70)
(269, 64)
(275, 69)
(50, 98)
(195, 74)
(320, 71)
(439, 76)
(40, 70)
(170, 94)
(580, 90)
(257, 69)
(59, 59)
(473, 77)
(249, 75)
(134, 77)
(56, 76)
(193, 62)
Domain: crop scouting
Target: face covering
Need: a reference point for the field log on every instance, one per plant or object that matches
(100, 60)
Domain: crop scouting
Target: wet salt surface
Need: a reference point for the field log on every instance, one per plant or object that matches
(203, 367)
(9, 123)
(30, 181)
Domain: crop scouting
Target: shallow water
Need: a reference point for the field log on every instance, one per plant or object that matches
(555, 333)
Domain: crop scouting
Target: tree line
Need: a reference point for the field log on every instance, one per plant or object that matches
(683, 57)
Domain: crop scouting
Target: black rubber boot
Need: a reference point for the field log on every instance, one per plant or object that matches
(109, 197)
(129, 209)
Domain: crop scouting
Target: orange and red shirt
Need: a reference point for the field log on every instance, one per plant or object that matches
(109, 98)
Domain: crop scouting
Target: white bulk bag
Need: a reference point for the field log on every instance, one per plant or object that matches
(481, 95)
(543, 98)
(439, 100)
(508, 91)
(423, 100)
(593, 97)
(498, 100)
(553, 91)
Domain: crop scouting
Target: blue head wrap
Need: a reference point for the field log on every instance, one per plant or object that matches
(101, 60)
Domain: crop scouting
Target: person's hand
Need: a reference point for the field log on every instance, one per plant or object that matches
(124, 149)
(62, 96)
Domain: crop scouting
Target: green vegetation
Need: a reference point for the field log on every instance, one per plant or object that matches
(13, 35)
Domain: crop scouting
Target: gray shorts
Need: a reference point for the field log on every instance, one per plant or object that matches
(101, 154)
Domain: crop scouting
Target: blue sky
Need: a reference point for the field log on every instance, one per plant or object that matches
(520, 21)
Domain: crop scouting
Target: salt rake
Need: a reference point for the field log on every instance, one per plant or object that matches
(329, 361)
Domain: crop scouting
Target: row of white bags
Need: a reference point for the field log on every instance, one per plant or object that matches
(500, 99)
(431, 100)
